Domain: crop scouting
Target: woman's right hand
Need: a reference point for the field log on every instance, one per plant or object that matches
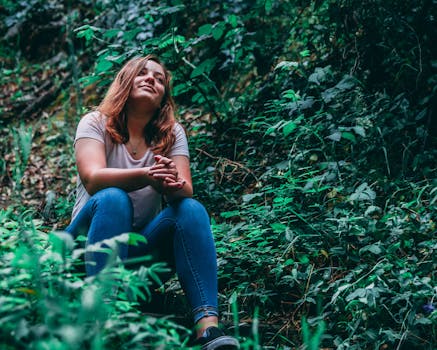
(166, 173)
(164, 169)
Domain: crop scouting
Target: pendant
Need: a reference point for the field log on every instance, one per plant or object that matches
(134, 152)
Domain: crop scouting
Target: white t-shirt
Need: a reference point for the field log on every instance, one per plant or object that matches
(146, 201)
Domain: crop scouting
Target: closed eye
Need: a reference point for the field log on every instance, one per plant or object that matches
(158, 76)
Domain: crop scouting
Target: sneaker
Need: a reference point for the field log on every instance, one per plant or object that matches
(214, 339)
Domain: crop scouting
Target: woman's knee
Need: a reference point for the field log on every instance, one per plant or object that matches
(192, 215)
(114, 200)
(190, 206)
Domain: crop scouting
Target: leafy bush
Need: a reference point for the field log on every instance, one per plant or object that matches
(313, 146)
(47, 303)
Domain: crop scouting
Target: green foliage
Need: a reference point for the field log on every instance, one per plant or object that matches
(312, 137)
(46, 302)
(312, 341)
(22, 143)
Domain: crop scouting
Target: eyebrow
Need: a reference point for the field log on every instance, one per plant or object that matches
(155, 72)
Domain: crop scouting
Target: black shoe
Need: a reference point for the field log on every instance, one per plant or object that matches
(214, 339)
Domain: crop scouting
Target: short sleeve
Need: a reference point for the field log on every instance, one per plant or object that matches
(180, 147)
(92, 125)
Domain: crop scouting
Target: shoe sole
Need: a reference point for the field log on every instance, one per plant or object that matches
(222, 343)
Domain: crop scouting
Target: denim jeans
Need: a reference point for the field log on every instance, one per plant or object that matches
(182, 228)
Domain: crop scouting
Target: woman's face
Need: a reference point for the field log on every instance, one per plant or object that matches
(149, 85)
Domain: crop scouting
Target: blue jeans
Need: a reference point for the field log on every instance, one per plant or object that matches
(182, 228)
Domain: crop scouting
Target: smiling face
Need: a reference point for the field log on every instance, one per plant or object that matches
(149, 85)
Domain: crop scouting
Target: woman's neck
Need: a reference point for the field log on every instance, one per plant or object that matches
(137, 119)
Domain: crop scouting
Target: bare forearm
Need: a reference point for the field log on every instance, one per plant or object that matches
(126, 179)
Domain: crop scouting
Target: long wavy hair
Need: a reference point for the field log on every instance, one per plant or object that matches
(158, 133)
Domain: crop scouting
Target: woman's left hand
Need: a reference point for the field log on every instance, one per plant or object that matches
(165, 170)
(172, 175)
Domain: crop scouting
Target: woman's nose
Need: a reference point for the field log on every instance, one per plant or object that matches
(149, 78)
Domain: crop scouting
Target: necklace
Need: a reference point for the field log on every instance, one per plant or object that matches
(134, 149)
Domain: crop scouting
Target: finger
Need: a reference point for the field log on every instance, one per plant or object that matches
(168, 162)
(155, 167)
(157, 157)
(162, 159)
(163, 172)
(165, 177)
(163, 167)
(174, 185)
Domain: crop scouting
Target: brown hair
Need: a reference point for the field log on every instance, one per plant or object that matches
(158, 133)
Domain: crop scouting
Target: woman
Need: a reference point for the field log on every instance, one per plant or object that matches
(130, 153)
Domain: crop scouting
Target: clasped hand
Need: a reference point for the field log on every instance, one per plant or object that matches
(164, 170)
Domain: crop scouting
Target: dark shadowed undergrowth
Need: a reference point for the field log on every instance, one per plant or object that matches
(312, 133)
